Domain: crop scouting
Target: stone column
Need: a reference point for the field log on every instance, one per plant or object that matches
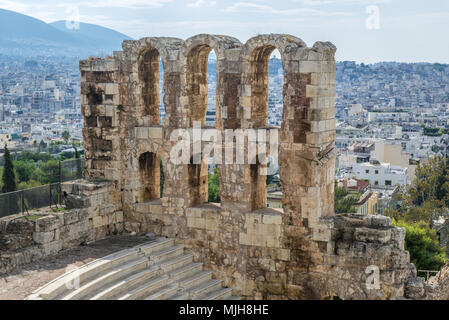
(307, 164)
(100, 99)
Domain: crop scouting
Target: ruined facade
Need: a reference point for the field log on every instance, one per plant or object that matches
(302, 251)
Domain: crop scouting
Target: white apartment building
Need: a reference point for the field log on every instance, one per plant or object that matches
(381, 174)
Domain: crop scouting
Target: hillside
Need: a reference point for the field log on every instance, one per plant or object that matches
(24, 35)
(94, 36)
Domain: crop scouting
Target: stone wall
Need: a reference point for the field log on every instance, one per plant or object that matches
(92, 214)
(301, 252)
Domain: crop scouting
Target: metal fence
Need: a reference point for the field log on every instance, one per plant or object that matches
(24, 201)
(71, 169)
(427, 273)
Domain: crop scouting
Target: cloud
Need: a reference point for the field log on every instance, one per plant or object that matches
(339, 2)
(261, 8)
(200, 3)
(125, 3)
(20, 6)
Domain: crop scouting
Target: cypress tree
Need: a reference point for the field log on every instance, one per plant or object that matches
(9, 177)
(79, 173)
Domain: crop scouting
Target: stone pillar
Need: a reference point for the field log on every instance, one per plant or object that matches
(100, 100)
(307, 164)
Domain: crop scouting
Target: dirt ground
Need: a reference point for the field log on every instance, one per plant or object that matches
(19, 284)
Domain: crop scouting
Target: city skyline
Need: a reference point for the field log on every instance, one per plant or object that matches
(364, 30)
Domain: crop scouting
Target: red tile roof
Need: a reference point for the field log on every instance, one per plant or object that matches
(361, 185)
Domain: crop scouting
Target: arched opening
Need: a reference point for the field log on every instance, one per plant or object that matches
(198, 182)
(150, 84)
(266, 78)
(198, 84)
(275, 89)
(162, 111)
(211, 112)
(275, 114)
(258, 78)
(201, 90)
(149, 177)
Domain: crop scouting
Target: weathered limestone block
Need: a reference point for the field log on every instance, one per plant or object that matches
(51, 248)
(415, 288)
(70, 217)
(99, 221)
(10, 261)
(43, 237)
(48, 223)
(372, 235)
(17, 233)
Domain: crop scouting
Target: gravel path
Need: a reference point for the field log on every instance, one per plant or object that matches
(19, 284)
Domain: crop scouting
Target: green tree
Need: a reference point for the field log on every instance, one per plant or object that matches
(214, 187)
(24, 170)
(47, 173)
(9, 176)
(65, 135)
(344, 202)
(435, 148)
(42, 146)
(431, 183)
(422, 243)
(427, 197)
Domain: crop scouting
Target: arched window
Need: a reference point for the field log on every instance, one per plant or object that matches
(275, 89)
(150, 79)
(149, 177)
(162, 110)
(198, 84)
(211, 112)
(266, 78)
(201, 90)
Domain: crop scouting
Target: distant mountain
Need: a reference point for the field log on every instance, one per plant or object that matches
(24, 35)
(93, 35)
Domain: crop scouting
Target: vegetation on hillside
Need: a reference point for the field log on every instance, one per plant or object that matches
(344, 202)
(422, 242)
(33, 169)
(418, 206)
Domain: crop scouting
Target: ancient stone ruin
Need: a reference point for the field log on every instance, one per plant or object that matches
(303, 251)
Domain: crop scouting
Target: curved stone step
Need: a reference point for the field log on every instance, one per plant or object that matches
(203, 289)
(186, 271)
(152, 271)
(220, 294)
(164, 293)
(58, 286)
(176, 263)
(111, 275)
(121, 286)
(195, 280)
(180, 296)
(145, 289)
(166, 254)
(158, 245)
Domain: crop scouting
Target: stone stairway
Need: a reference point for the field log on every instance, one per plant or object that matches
(158, 270)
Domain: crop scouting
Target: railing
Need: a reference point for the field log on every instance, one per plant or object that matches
(24, 201)
(428, 273)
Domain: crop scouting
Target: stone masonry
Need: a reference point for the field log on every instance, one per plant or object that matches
(92, 214)
(303, 251)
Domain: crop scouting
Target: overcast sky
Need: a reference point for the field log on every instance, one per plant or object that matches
(362, 30)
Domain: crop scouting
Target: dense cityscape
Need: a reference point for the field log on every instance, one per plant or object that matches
(389, 118)
(220, 151)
